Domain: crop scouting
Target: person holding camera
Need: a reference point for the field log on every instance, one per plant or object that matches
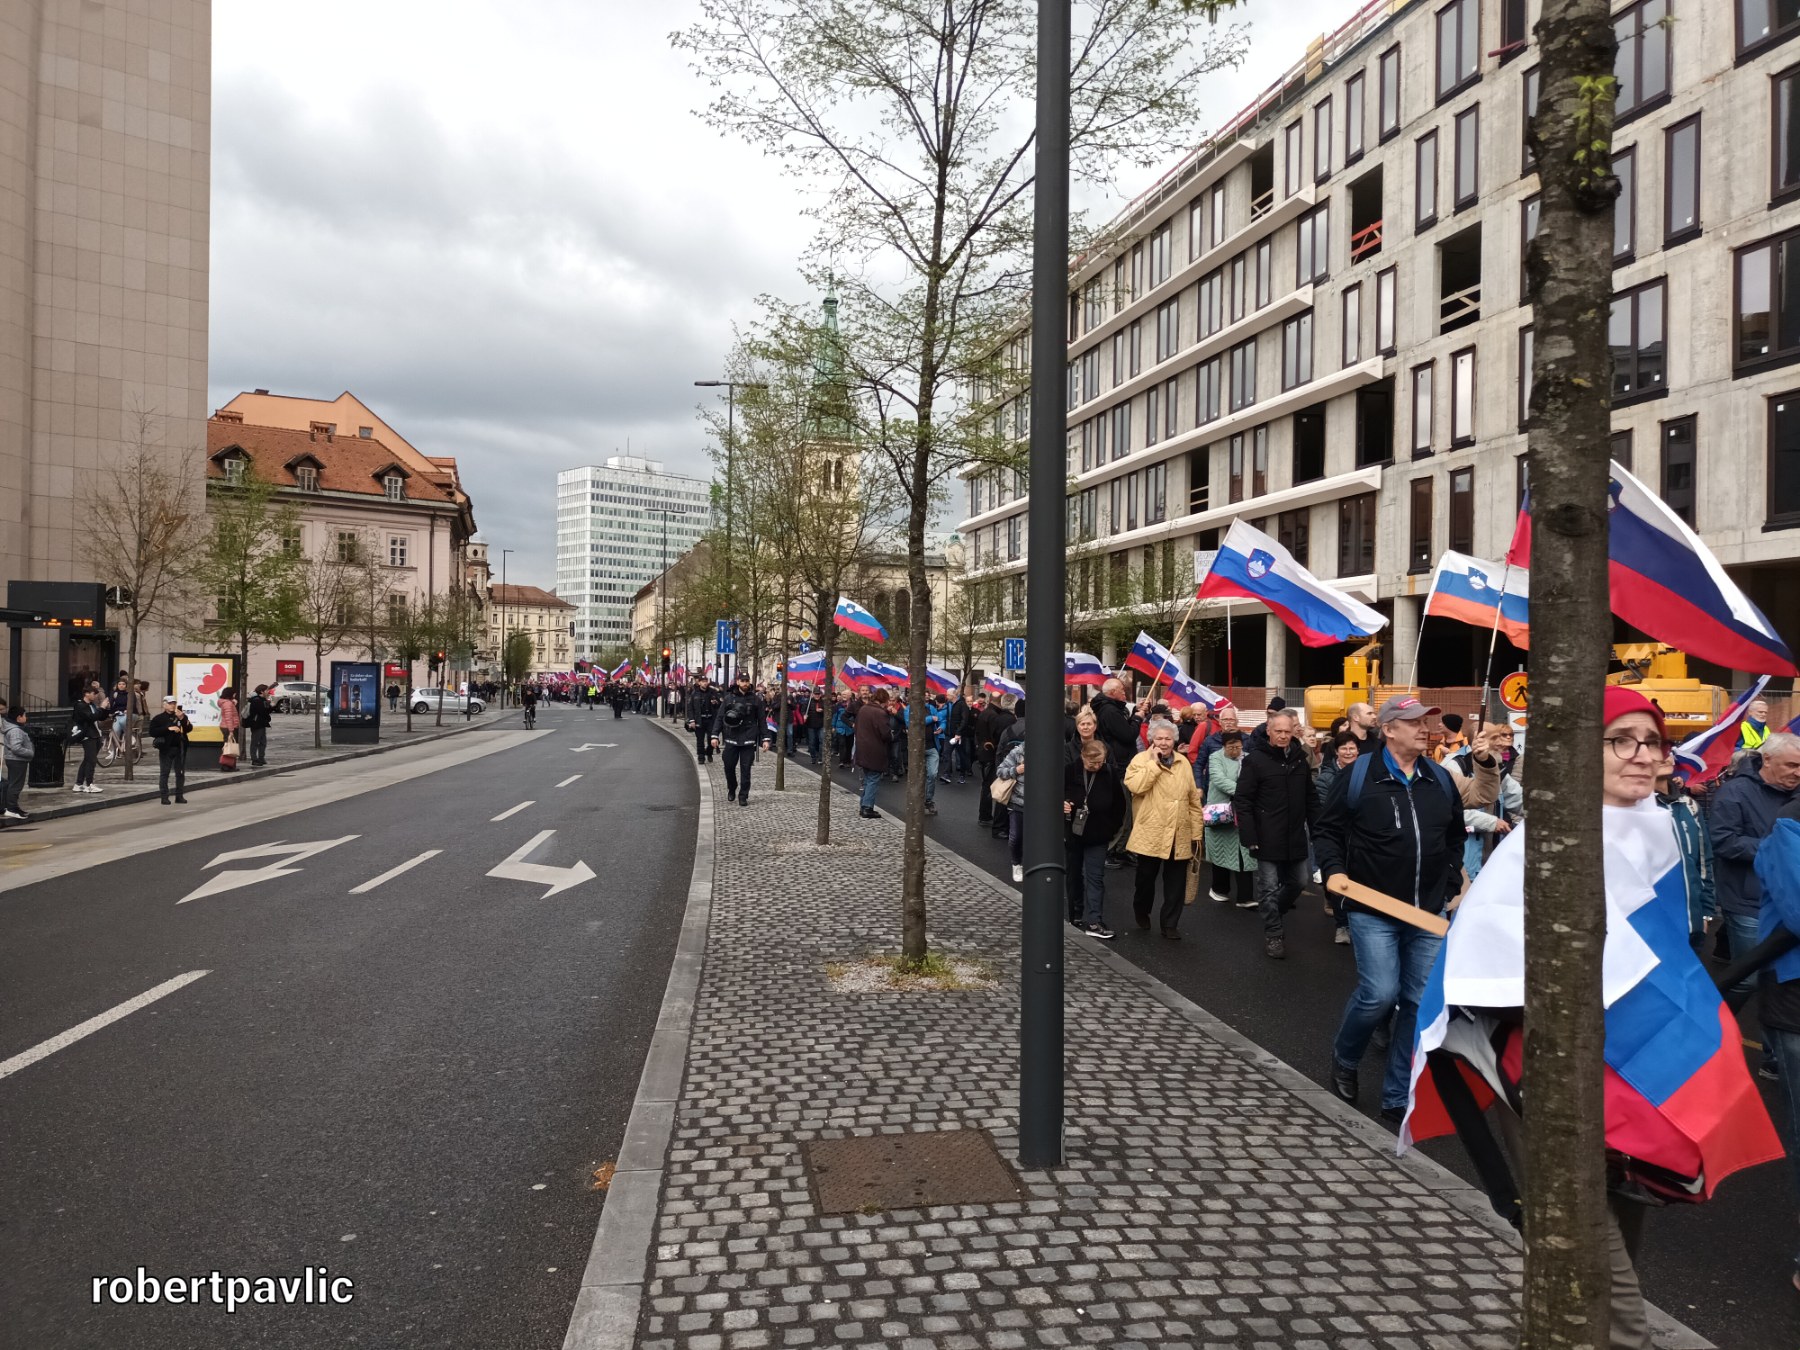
(170, 729)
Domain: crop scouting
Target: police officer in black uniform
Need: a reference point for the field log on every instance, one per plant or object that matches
(702, 708)
(739, 728)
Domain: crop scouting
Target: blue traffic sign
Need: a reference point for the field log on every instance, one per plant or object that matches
(725, 644)
(1013, 657)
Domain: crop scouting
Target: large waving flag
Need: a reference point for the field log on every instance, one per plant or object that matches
(1251, 566)
(620, 671)
(1080, 668)
(1669, 584)
(807, 669)
(1474, 591)
(880, 672)
(856, 674)
(1678, 1093)
(853, 618)
(940, 681)
(1183, 692)
(1703, 756)
(1152, 658)
(999, 684)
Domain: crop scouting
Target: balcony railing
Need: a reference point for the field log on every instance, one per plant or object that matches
(1198, 496)
(1366, 242)
(1462, 307)
(1262, 205)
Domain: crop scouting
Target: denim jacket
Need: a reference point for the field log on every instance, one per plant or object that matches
(1695, 842)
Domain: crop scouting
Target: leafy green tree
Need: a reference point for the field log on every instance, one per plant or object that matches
(250, 564)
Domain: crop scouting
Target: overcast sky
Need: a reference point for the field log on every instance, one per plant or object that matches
(502, 226)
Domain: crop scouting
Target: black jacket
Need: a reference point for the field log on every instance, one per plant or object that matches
(957, 721)
(1105, 798)
(742, 719)
(86, 724)
(991, 724)
(874, 735)
(170, 732)
(257, 712)
(1118, 728)
(1407, 843)
(703, 706)
(1276, 801)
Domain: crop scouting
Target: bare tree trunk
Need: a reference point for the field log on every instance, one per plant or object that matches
(781, 701)
(324, 693)
(913, 937)
(129, 748)
(1565, 1300)
(828, 635)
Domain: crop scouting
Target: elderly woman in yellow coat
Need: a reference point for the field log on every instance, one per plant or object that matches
(1165, 826)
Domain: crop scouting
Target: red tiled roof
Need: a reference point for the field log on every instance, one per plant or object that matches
(346, 463)
(525, 596)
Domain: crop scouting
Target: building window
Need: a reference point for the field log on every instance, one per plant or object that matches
(1121, 431)
(1115, 506)
(1234, 466)
(1768, 303)
(393, 486)
(1215, 216)
(1514, 32)
(1458, 47)
(1418, 549)
(1152, 414)
(1635, 332)
(290, 541)
(1531, 102)
(1386, 302)
(1468, 156)
(396, 550)
(1681, 182)
(1134, 345)
(1160, 254)
(1624, 167)
(1171, 388)
(1293, 164)
(1168, 329)
(1679, 478)
(1195, 246)
(306, 478)
(1265, 269)
(1296, 350)
(346, 546)
(1309, 444)
(1314, 244)
(1353, 118)
(1388, 72)
(1243, 375)
(1210, 302)
(1462, 510)
(1118, 359)
(1093, 307)
(234, 470)
(1421, 414)
(1090, 373)
(1462, 397)
(1156, 491)
(1352, 324)
(1137, 270)
(1131, 501)
(1291, 531)
(1642, 64)
(1784, 142)
(1356, 535)
(1525, 377)
(1322, 140)
(1207, 376)
(1784, 459)
(1238, 286)
(1425, 182)
(1259, 461)
(1764, 23)
(1621, 448)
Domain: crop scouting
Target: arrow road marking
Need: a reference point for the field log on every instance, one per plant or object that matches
(603, 745)
(393, 872)
(511, 811)
(515, 868)
(230, 881)
(26, 1058)
(570, 779)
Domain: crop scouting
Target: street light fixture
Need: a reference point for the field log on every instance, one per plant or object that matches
(662, 597)
(730, 387)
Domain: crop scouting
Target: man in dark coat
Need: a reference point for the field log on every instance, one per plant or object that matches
(702, 708)
(739, 726)
(990, 726)
(958, 724)
(874, 733)
(1276, 804)
(1118, 726)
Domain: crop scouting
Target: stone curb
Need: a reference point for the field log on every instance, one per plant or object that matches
(1669, 1333)
(127, 796)
(612, 1287)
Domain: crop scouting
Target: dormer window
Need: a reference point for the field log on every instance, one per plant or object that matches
(394, 486)
(234, 469)
(365, 432)
(307, 477)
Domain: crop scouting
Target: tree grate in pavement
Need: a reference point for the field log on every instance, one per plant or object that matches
(866, 1174)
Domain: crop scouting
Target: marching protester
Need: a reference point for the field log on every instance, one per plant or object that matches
(1011, 769)
(1120, 726)
(1754, 729)
(1093, 808)
(1233, 866)
(702, 708)
(957, 725)
(1694, 838)
(1276, 804)
(1778, 867)
(1165, 825)
(170, 730)
(739, 726)
(874, 734)
(991, 723)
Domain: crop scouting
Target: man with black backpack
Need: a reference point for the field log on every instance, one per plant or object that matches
(1394, 822)
(740, 727)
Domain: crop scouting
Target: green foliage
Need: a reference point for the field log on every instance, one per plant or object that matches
(515, 659)
(248, 564)
(1593, 129)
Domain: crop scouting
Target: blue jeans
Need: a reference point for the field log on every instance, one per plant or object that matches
(931, 771)
(1742, 928)
(1473, 847)
(871, 781)
(1085, 881)
(1786, 1045)
(1393, 960)
(815, 743)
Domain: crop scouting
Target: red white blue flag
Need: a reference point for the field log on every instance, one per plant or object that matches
(856, 674)
(1252, 566)
(853, 618)
(880, 672)
(1080, 668)
(1705, 755)
(999, 684)
(1478, 592)
(807, 669)
(1150, 657)
(1669, 584)
(1183, 692)
(939, 680)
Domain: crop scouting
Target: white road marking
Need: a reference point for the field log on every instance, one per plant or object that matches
(570, 779)
(393, 872)
(510, 811)
(29, 1057)
(515, 868)
(596, 745)
(230, 881)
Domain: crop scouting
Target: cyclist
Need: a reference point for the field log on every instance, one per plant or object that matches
(529, 697)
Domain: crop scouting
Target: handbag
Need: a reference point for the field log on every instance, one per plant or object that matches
(1002, 790)
(1219, 813)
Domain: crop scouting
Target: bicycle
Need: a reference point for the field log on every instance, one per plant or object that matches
(530, 716)
(114, 746)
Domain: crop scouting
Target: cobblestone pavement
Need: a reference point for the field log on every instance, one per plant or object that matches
(1208, 1199)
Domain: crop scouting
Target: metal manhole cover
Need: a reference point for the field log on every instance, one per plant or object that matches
(908, 1171)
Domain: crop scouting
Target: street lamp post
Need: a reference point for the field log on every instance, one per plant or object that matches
(1041, 945)
(730, 387)
(504, 635)
(662, 591)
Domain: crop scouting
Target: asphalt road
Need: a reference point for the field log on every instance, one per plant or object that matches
(1723, 1268)
(411, 1086)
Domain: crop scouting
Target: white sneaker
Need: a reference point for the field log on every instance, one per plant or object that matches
(1216, 898)
(93, 787)
(78, 788)
(14, 815)
(1018, 872)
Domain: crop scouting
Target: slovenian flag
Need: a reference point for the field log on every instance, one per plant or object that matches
(1472, 591)
(853, 618)
(807, 669)
(620, 671)
(940, 681)
(880, 672)
(856, 674)
(1152, 658)
(999, 684)
(1183, 692)
(1251, 566)
(1669, 584)
(1703, 756)
(1080, 668)
(1678, 1093)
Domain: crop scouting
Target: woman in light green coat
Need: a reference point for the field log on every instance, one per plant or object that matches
(1231, 862)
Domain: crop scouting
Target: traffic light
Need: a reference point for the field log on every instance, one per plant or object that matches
(437, 658)
(665, 655)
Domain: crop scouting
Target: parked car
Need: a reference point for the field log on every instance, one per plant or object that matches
(293, 696)
(427, 700)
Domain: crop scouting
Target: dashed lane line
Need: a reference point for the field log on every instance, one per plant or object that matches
(26, 1058)
(393, 872)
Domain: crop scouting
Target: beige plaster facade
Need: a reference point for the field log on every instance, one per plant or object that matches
(538, 614)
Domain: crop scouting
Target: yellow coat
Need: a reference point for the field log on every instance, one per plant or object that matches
(1165, 807)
